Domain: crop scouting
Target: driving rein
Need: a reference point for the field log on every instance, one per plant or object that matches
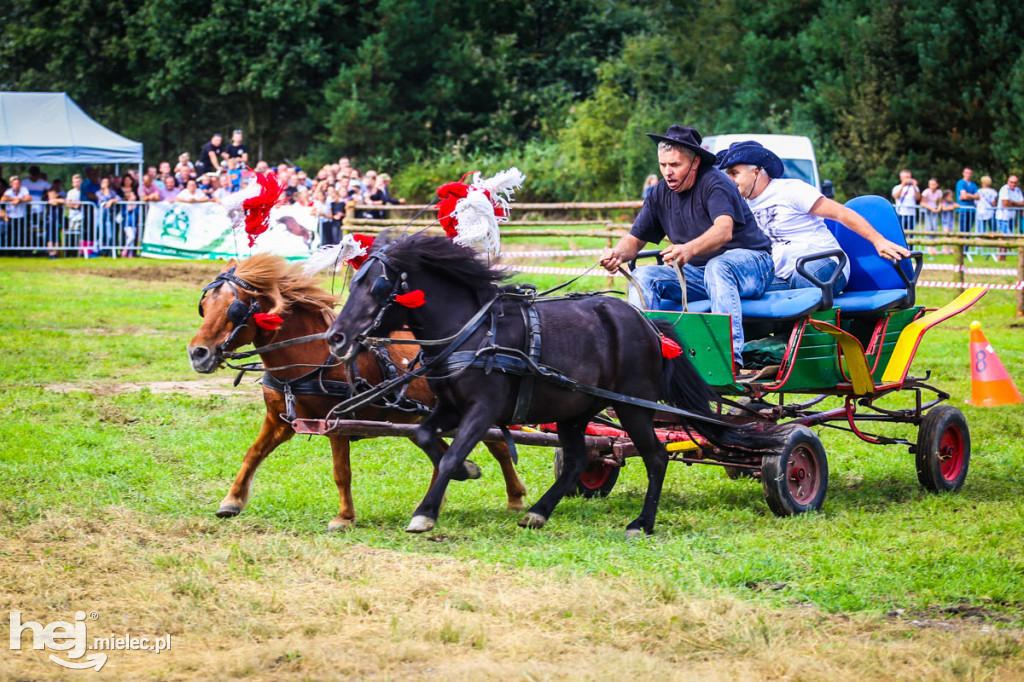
(490, 357)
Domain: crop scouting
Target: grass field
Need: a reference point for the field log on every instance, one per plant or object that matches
(114, 456)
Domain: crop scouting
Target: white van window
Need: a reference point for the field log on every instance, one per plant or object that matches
(801, 169)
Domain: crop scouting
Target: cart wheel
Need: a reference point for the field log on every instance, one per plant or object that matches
(795, 480)
(736, 473)
(596, 481)
(943, 451)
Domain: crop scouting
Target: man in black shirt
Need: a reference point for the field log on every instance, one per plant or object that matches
(209, 157)
(712, 233)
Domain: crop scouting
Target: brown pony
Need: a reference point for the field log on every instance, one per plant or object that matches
(269, 284)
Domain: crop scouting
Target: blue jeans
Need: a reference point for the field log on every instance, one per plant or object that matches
(735, 274)
(822, 269)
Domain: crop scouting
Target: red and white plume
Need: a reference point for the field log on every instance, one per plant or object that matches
(470, 214)
(351, 248)
(251, 207)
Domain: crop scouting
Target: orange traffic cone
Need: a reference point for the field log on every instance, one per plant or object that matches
(990, 383)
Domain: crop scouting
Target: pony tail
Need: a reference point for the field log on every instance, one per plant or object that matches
(681, 384)
(683, 387)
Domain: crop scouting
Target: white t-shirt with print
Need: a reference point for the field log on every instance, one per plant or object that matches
(1007, 194)
(782, 211)
(905, 198)
(984, 207)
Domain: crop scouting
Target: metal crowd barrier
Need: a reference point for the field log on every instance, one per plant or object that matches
(89, 231)
(963, 222)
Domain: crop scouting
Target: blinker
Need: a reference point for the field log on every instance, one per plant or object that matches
(237, 313)
(381, 291)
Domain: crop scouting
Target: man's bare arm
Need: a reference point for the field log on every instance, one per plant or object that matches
(833, 210)
(626, 250)
(714, 238)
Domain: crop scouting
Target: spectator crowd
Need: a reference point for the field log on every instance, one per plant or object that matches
(99, 214)
(964, 208)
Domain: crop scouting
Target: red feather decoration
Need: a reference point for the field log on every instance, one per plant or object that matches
(365, 241)
(669, 348)
(450, 194)
(268, 321)
(413, 299)
(257, 208)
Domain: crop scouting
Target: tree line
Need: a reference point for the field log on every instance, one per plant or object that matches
(564, 89)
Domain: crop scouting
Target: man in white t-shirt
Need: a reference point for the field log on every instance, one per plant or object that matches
(792, 212)
(36, 186)
(1010, 197)
(906, 195)
(15, 201)
(73, 202)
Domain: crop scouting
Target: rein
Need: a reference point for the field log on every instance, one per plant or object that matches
(453, 342)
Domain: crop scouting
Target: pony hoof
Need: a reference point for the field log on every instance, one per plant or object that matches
(632, 533)
(338, 524)
(420, 524)
(532, 520)
(472, 469)
(226, 511)
(516, 504)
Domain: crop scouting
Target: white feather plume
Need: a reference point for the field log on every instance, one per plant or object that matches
(232, 203)
(504, 183)
(477, 224)
(331, 256)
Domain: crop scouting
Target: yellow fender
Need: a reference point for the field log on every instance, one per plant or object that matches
(906, 346)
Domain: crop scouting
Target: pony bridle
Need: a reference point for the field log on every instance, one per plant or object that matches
(383, 291)
(238, 313)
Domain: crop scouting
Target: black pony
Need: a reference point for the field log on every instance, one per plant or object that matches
(444, 292)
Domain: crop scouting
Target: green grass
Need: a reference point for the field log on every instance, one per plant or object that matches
(881, 543)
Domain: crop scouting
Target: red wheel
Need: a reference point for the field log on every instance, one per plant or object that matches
(596, 481)
(943, 452)
(795, 481)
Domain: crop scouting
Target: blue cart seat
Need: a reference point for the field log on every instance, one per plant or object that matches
(777, 305)
(876, 284)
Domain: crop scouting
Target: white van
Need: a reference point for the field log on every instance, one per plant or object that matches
(796, 152)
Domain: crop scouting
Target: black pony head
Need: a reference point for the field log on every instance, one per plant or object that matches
(400, 274)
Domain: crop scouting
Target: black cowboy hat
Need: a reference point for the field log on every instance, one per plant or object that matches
(687, 137)
(753, 153)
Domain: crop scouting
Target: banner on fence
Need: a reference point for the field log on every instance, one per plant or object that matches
(203, 232)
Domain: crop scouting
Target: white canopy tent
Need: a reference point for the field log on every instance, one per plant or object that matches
(48, 127)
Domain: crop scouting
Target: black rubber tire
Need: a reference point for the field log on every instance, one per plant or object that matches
(795, 481)
(943, 452)
(597, 481)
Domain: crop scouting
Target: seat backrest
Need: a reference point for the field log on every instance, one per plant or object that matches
(868, 270)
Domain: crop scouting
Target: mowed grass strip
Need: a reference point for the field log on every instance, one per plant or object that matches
(244, 601)
(76, 444)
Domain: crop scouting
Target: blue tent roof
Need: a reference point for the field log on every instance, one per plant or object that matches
(48, 127)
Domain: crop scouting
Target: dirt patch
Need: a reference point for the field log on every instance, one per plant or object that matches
(222, 384)
(242, 602)
(192, 273)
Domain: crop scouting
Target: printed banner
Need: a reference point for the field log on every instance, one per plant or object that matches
(203, 232)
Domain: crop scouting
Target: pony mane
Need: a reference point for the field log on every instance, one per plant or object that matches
(284, 283)
(440, 255)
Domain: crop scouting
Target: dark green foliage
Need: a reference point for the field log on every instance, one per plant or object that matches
(565, 89)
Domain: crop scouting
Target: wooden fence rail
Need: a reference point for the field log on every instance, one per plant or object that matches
(611, 231)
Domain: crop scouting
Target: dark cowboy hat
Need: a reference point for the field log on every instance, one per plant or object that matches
(687, 137)
(753, 153)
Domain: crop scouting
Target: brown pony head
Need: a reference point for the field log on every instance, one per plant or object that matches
(278, 287)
